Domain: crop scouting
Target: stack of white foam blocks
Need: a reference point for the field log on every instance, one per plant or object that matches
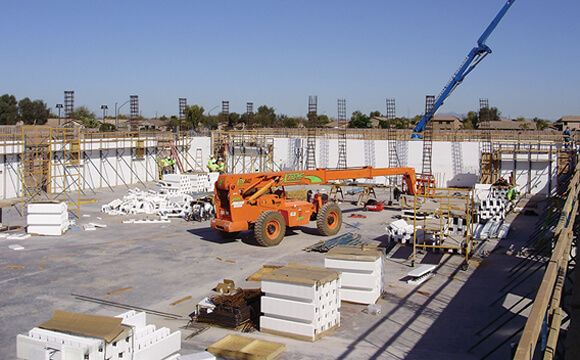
(361, 273)
(300, 301)
(149, 203)
(400, 231)
(47, 218)
(457, 226)
(176, 184)
(492, 209)
(144, 342)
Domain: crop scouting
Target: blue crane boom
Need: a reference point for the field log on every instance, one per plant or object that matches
(475, 56)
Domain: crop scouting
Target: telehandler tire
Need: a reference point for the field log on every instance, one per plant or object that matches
(329, 219)
(270, 228)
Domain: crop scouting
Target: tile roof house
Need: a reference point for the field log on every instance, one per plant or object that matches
(568, 121)
(446, 122)
(512, 125)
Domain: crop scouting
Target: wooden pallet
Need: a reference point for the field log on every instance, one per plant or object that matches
(246, 348)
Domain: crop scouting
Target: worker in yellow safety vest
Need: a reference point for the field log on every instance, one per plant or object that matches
(221, 166)
(167, 165)
(212, 166)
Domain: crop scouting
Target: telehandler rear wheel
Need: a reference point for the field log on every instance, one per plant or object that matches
(270, 228)
(329, 219)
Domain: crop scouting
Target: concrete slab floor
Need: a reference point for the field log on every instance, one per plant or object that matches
(154, 265)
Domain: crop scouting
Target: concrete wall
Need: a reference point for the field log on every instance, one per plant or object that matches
(103, 164)
(114, 163)
(534, 174)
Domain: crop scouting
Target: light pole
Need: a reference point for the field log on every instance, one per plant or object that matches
(117, 109)
(104, 107)
(59, 106)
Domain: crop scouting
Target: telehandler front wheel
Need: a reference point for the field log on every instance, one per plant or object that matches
(270, 228)
(329, 219)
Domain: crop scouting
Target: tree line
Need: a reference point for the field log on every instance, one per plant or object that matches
(30, 112)
(470, 121)
(35, 112)
(264, 117)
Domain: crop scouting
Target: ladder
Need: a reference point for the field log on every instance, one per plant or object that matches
(457, 157)
(342, 149)
(487, 160)
(311, 149)
(342, 123)
(369, 152)
(428, 138)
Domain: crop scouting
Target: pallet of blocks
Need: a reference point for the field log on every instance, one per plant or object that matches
(74, 336)
(361, 272)
(301, 302)
(47, 218)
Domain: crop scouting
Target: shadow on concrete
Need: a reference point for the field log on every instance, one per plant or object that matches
(310, 230)
(402, 253)
(383, 239)
(463, 314)
(209, 234)
(432, 258)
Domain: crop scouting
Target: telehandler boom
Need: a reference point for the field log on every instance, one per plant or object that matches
(258, 201)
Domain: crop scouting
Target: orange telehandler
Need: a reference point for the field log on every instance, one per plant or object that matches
(258, 201)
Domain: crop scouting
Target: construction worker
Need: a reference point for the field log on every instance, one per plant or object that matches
(221, 166)
(567, 137)
(171, 163)
(512, 194)
(397, 193)
(212, 165)
(163, 165)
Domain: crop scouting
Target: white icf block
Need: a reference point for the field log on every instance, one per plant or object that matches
(298, 309)
(204, 355)
(296, 328)
(361, 281)
(47, 208)
(150, 343)
(359, 296)
(297, 291)
(47, 218)
(31, 349)
(51, 230)
(134, 319)
(159, 345)
(341, 265)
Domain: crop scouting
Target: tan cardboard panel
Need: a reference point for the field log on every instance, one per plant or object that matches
(101, 327)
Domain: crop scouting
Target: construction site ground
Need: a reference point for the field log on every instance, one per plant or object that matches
(155, 265)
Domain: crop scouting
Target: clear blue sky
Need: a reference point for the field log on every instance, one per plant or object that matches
(279, 52)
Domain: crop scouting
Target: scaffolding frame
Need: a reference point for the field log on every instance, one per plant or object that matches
(44, 150)
(249, 150)
(342, 134)
(66, 143)
(434, 224)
